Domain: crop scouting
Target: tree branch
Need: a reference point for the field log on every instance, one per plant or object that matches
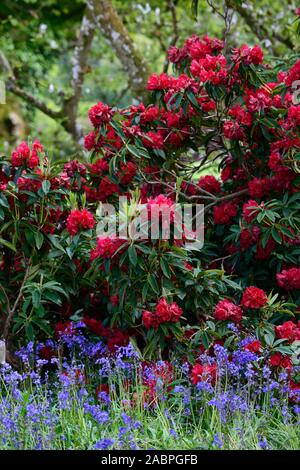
(172, 8)
(259, 29)
(29, 98)
(115, 32)
(67, 115)
(79, 69)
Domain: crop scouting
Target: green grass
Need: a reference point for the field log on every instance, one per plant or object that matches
(162, 425)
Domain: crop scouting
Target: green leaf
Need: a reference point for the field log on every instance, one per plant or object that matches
(165, 268)
(39, 239)
(29, 332)
(46, 185)
(132, 255)
(36, 298)
(4, 201)
(153, 283)
(135, 151)
(43, 325)
(7, 244)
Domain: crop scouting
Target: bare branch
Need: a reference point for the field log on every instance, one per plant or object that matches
(227, 197)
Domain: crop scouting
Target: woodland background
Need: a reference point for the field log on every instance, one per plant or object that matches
(57, 61)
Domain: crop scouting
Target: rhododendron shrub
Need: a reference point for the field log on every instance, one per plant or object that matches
(236, 112)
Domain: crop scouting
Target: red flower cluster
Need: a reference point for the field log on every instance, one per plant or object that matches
(80, 220)
(227, 310)
(288, 330)
(253, 346)
(23, 156)
(162, 373)
(254, 297)
(289, 279)
(233, 131)
(248, 55)
(224, 213)
(164, 313)
(106, 247)
(100, 114)
(64, 328)
(127, 172)
(204, 373)
(249, 237)
(114, 336)
(210, 184)
(259, 187)
(249, 210)
(279, 360)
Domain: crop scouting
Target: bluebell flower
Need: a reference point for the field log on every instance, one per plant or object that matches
(104, 444)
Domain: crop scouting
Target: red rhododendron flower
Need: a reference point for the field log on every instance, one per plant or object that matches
(279, 360)
(47, 353)
(249, 237)
(164, 312)
(100, 114)
(224, 212)
(233, 131)
(294, 391)
(80, 219)
(106, 189)
(89, 141)
(95, 326)
(248, 55)
(264, 252)
(275, 162)
(161, 373)
(258, 101)
(158, 82)
(210, 184)
(99, 167)
(107, 246)
(227, 310)
(289, 279)
(115, 300)
(249, 211)
(23, 156)
(293, 74)
(64, 328)
(149, 319)
(149, 115)
(204, 373)
(116, 339)
(241, 115)
(161, 208)
(286, 330)
(127, 172)
(259, 187)
(73, 167)
(153, 140)
(254, 297)
(254, 346)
